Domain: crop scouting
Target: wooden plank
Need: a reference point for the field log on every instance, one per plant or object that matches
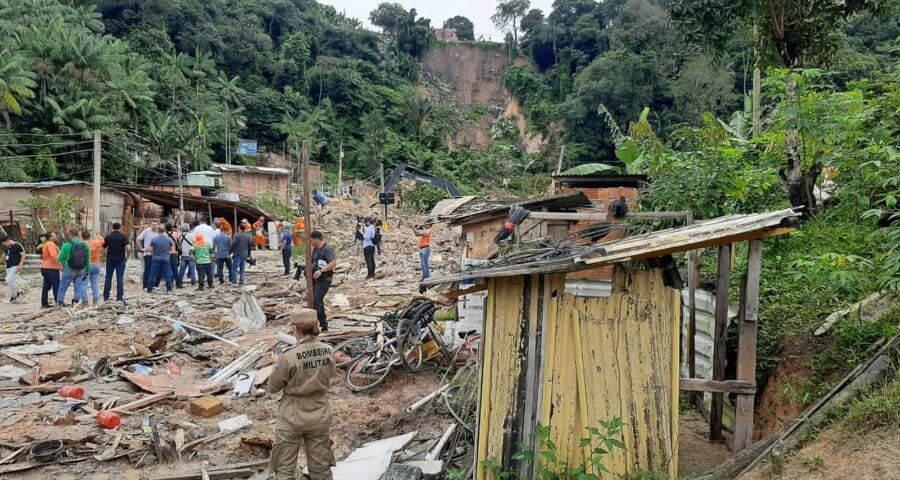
(719, 386)
(19, 358)
(465, 291)
(747, 336)
(487, 352)
(697, 244)
(718, 367)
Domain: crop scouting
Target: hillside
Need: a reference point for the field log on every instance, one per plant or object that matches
(470, 78)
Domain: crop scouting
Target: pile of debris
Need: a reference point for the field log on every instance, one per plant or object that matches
(173, 386)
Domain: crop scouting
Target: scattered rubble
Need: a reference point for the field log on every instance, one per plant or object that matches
(185, 373)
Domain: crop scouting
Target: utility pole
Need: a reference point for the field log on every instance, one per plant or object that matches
(381, 170)
(307, 241)
(96, 199)
(559, 163)
(227, 138)
(180, 192)
(757, 81)
(340, 189)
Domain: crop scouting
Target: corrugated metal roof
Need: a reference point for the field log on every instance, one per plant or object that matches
(570, 257)
(50, 184)
(476, 210)
(249, 169)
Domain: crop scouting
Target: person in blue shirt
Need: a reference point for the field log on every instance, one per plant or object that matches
(369, 247)
(286, 241)
(160, 265)
(222, 250)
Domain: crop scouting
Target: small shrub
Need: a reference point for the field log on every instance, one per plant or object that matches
(877, 407)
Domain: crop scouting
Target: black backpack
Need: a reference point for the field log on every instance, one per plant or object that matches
(377, 238)
(78, 256)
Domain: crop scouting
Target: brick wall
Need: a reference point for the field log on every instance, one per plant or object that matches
(249, 185)
(601, 198)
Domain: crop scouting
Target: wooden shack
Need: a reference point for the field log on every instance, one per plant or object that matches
(564, 361)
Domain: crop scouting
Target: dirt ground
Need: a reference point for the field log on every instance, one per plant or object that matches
(696, 454)
(875, 455)
(91, 333)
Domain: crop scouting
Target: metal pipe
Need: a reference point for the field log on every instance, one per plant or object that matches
(426, 399)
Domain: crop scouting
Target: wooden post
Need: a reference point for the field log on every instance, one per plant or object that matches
(746, 368)
(691, 331)
(209, 219)
(340, 190)
(307, 243)
(235, 224)
(381, 170)
(559, 162)
(718, 367)
(96, 200)
(180, 192)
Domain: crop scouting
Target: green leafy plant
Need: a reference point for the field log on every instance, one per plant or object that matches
(57, 210)
(600, 441)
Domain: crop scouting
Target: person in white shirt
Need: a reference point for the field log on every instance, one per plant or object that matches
(204, 229)
(143, 242)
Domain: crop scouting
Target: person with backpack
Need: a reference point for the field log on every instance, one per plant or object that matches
(201, 256)
(75, 258)
(185, 245)
(15, 263)
(369, 248)
(377, 238)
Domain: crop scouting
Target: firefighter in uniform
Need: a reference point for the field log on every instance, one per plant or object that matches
(304, 373)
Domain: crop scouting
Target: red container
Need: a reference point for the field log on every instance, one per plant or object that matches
(75, 392)
(108, 419)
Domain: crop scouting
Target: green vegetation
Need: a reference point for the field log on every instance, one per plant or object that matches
(878, 407)
(597, 445)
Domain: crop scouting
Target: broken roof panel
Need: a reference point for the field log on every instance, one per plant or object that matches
(36, 185)
(219, 207)
(250, 169)
(477, 211)
(569, 258)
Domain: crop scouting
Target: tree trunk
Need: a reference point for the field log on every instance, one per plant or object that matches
(796, 181)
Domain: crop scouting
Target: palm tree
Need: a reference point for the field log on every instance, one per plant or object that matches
(172, 72)
(16, 82)
(308, 125)
(199, 66)
(419, 109)
(132, 88)
(230, 93)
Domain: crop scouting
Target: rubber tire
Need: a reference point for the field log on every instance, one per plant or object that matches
(353, 354)
(413, 361)
(362, 362)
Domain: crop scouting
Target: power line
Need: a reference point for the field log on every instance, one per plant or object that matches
(43, 134)
(61, 154)
(32, 145)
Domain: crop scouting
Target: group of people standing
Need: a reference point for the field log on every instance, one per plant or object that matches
(76, 263)
(369, 231)
(197, 254)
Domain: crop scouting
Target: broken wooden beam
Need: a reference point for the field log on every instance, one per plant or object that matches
(747, 387)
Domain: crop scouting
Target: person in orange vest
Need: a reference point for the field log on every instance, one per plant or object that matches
(299, 231)
(259, 237)
(225, 227)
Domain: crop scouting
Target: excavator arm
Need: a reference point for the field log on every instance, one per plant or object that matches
(417, 175)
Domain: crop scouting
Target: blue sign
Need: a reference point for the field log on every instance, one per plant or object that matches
(247, 147)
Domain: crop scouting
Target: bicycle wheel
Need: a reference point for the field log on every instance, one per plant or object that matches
(352, 349)
(409, 346)
(368, 372)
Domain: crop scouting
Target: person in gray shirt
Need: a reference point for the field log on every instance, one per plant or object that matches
(222, 249)
(240, 252)
(159, 249)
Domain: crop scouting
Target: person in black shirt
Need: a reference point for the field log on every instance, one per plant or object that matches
(117, 249)
(323, 263)
(15, 263)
